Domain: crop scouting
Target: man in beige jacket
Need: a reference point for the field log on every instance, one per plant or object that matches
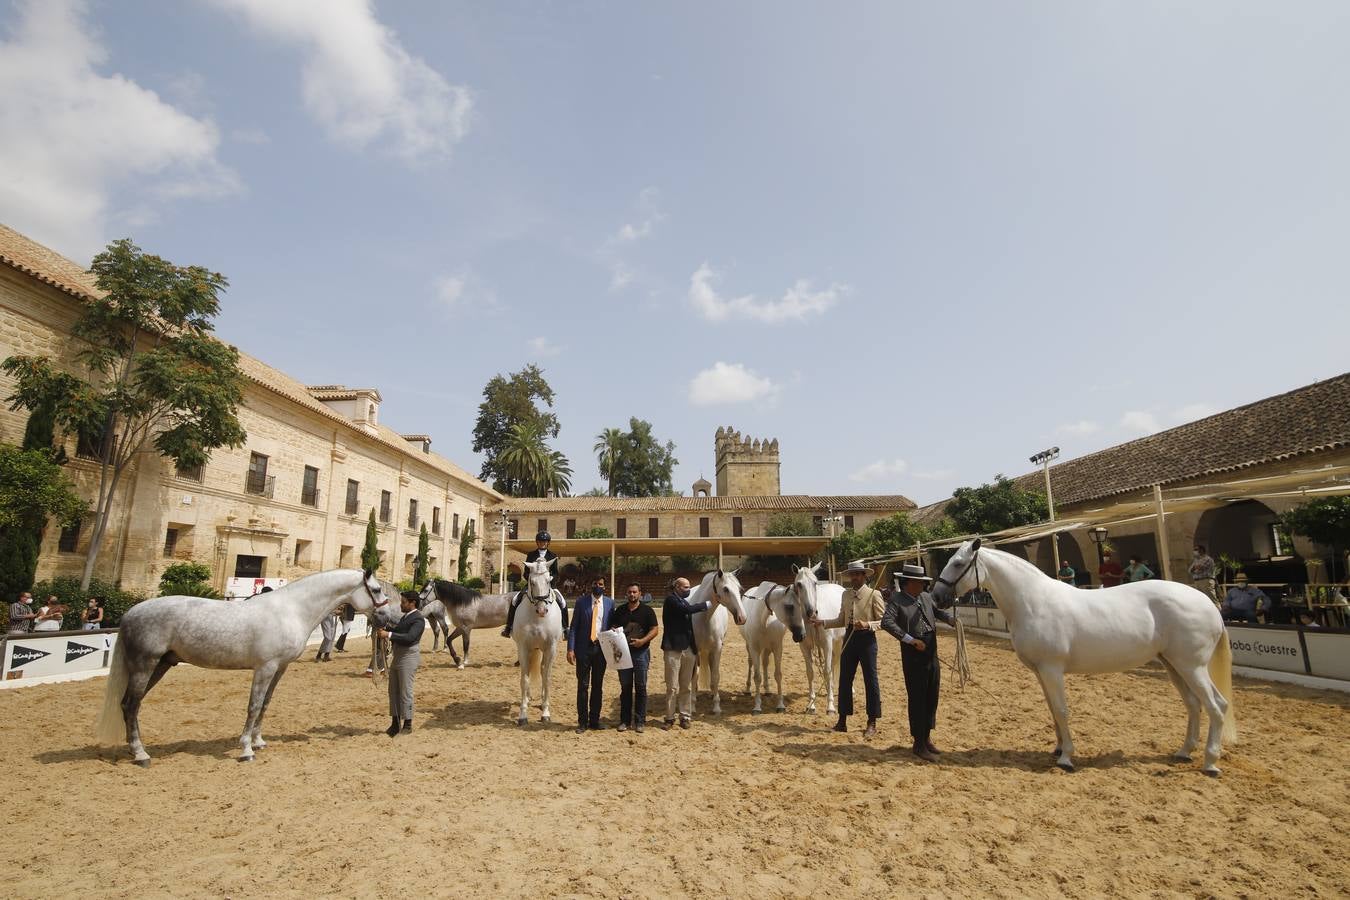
(860, 614)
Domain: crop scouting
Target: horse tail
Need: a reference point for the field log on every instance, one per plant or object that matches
(111, 726)
(536, 663)
(1221, 673)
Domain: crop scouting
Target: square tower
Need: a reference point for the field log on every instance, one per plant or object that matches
(745, 467)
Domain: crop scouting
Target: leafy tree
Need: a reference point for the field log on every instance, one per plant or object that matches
(187, 579)
(887, 535)
(686, 564)
(423, 558)
(370, 553)
(532, 466)
(635, 462)
(1325, 521)
(994, 507)
(781, 525)
(507, 403)
(33, 488)
(154, 379)
(596, 492)
(466, 540)
(593, 564)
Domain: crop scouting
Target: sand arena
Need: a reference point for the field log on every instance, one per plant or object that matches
(769, 805)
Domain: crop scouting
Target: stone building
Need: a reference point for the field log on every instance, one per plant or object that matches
(745, 467)
(293, 499)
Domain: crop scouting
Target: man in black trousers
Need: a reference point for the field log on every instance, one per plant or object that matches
(860, 614)
(909, 618)
(591, 617)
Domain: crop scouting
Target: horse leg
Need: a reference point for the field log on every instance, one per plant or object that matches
(1192, 711)
(1216, 706)
(262, 679)
(1052, 683)
(715, 677)
(450, 643)
(523, 655)
(545, 670)
(810, 678)
(465, 661)
(258, 742)
(139, 682)
(827, 657)
(778, 675)
(755, 667)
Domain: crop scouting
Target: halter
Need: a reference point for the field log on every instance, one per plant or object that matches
(974, 557)
(371, 594)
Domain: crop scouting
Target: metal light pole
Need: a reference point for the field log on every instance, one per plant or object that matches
(832, 519)
(1043, 458)
(1098, 536)
(503, 522)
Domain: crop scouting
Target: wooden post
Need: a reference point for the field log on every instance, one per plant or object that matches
(1164, 557)
(613, 556)
(719, 556)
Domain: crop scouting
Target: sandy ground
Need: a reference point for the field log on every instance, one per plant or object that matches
(768, 805)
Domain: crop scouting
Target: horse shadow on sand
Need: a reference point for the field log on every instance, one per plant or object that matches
(477, 713)
(980, 758)
(222, 748)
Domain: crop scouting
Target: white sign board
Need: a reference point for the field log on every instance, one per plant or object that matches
(614, 646)
(39, 658)
(1329, 654)
(239, 588)
(1267, 648)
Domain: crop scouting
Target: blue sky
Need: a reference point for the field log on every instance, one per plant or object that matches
(914, 242)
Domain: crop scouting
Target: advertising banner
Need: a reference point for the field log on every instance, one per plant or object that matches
(1267, 647)
(53, 657)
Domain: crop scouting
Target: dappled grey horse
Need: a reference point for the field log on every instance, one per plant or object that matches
(468, 609)
(266, 633)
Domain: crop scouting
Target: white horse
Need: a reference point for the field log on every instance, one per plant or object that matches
(468, 610)
(723, 591)
(537, 636)
(763, 632)
(808, 596)
(265, 634)
(1057, 628)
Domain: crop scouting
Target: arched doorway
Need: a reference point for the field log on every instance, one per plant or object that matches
(1249, 532)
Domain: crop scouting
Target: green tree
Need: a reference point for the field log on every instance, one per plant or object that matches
(422, 560)
(33, 488)
(994, 507)
(154, 378)
(593, 564)
(887, 535)
(639, 465)
(466, 540)
(781, 525)
(370, 553)
(508, 403)
(1325, 521)
(609, 446)
(187, 579)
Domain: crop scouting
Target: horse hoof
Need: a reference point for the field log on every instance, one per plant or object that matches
(143, 763)
(781, 709)
(756, 712)
(545, 719)
(1211, 771)
(520, 723)
(246, 759)
(1067, 767)
(1181, 757)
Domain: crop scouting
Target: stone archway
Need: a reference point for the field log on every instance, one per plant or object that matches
(1245, 531)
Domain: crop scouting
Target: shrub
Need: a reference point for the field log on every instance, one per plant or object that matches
(67, 590)
(187, 579)
(474, 583)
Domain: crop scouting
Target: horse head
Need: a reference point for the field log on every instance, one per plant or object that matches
(959, 575)
(367, 595)
(539, 583)
(427, 594)
(803, 588)
(726, 590)
(782, 604)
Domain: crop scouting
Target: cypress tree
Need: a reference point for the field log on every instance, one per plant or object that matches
(423, 556)
(465, 542)
(370, 553)
(21, 544)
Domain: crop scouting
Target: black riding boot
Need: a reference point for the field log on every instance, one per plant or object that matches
(341, 645)
(842, 724)
(510, 617)
(392, 730)
(562, 604)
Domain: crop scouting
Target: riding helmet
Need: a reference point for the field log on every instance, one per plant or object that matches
(543, 536)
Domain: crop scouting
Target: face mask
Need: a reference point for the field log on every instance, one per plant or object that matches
(683, 592)
(597, 591)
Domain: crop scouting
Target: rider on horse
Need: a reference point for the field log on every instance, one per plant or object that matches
(539, 552)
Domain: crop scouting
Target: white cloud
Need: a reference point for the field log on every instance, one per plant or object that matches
(614, 248)
(449, 289)
(798, 303)
(73, 136)
(1080, 428)
(358, 81)
(1140, 422)
(727, 383)
(542, 346)
(620, 276)
(463, 292)
(881, 470)
(1193, 411)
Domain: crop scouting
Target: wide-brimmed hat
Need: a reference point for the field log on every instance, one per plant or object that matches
(912, 570)
(855, 566)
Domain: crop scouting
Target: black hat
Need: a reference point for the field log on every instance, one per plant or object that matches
(543, 536)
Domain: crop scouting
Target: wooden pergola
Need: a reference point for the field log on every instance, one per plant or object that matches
(808, 548)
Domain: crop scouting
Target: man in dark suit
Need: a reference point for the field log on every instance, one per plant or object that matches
(909, 618)
(583, 651)
(406, 638)
(677, 620)
(540, 551)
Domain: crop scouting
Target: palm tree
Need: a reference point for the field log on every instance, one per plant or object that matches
(557, 474)
(524, 458)
(609, 448)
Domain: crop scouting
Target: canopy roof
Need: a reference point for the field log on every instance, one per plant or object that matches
(682, 546)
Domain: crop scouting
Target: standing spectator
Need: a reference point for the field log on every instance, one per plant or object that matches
(1109, 571)
(593, 612)
(1202, 572)
(406, 638)
(638, 621)
(1242, 601)
(1137, 571)
(1066, 573)
(328, 628)
(49, 616)
(92, 615)
(677, 620)
(909, 619)
(348, 614)
(21, 614)
(860, 615)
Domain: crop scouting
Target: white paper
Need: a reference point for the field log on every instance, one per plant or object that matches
(614, 645)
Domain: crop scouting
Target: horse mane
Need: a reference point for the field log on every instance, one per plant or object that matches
(1016, 561)
(453, 593)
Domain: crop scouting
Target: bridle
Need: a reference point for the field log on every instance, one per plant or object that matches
(365, 583)
(974, 558)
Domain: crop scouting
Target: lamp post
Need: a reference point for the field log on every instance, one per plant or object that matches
(1043, 459)
(833, 520)
(1098, 536)
(504, 523)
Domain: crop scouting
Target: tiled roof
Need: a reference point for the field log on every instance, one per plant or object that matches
(340, 392)
(805, 503)
(1310, 419)
(50, 267)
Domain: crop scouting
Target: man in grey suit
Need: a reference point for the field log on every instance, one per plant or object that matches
(406, 639)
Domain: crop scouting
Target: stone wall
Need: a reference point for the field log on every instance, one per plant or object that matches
(746, 467)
